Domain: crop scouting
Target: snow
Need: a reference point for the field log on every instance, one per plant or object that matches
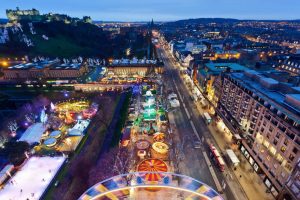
(32, 179)
(33, 133)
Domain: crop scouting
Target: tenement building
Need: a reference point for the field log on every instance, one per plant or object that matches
(266, 112)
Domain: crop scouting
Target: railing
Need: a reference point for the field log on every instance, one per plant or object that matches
(123, 186)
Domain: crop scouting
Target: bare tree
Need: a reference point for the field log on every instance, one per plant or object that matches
(3, 140)
(13, 127)
(30, 118)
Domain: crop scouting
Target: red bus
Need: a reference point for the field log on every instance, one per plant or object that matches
(217, 157)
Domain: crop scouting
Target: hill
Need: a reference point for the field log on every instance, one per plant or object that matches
(60, 39)
(218, 20)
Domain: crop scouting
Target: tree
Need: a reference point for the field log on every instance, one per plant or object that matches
(15, 151)
(13, 127)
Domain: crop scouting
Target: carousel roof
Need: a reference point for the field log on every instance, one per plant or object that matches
(50, 141)
(55, 134)
(152, 165)
(160, 147)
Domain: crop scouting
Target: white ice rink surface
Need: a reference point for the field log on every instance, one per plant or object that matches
(32, 179)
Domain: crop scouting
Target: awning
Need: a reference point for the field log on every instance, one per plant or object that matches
(237, 136)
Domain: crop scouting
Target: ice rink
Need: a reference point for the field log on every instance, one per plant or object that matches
(32, 179)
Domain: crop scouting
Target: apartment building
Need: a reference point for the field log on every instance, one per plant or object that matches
(266, 113)
(292, 188)
(291, 65)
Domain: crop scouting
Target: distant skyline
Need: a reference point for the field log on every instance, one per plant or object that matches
(162, 10)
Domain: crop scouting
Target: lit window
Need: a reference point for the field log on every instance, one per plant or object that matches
(266, 143)
(272, 150)
(283, 148)
(279, 158)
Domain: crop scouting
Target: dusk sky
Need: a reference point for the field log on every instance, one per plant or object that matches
(161, 10)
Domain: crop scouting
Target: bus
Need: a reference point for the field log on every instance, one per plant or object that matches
(207, 118)
(214, 153)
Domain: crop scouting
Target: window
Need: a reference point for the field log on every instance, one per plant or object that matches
(275, 142)
(282, 128)
(283, 148)
(291, 157)
(274, 122)
(271, 129)
(264, 123)
(279, 158)
(272, 150)
(286, 142)
(266, 143)
(278, 135)
(295, 150)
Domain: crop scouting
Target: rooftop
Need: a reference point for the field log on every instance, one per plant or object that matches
(220, 67)
(281, 96)
(33, 133)
(51, 64)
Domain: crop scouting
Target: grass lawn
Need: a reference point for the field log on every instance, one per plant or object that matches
(59, 46)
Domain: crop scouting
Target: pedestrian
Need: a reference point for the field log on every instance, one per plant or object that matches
(21, 190)
(240, 176)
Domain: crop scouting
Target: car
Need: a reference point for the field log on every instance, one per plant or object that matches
(197, 145)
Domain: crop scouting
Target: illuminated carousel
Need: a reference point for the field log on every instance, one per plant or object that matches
(159, 137)
(152, 165)
(160, 150)
(142, 147)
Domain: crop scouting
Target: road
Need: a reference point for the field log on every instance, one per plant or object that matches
(191, 127)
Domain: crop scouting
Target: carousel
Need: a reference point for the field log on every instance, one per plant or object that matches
(55, 134)
(50, 142)
(159, 150)
(142, 144)
(152, 165)
(159, 137)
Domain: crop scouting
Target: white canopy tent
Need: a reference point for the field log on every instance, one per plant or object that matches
(33, 133)
(233, 158)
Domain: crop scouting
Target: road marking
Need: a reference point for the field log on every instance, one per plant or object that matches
(194, 130)
(212, 172)
(186, 111)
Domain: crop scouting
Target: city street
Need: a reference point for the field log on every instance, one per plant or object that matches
(190, 127)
